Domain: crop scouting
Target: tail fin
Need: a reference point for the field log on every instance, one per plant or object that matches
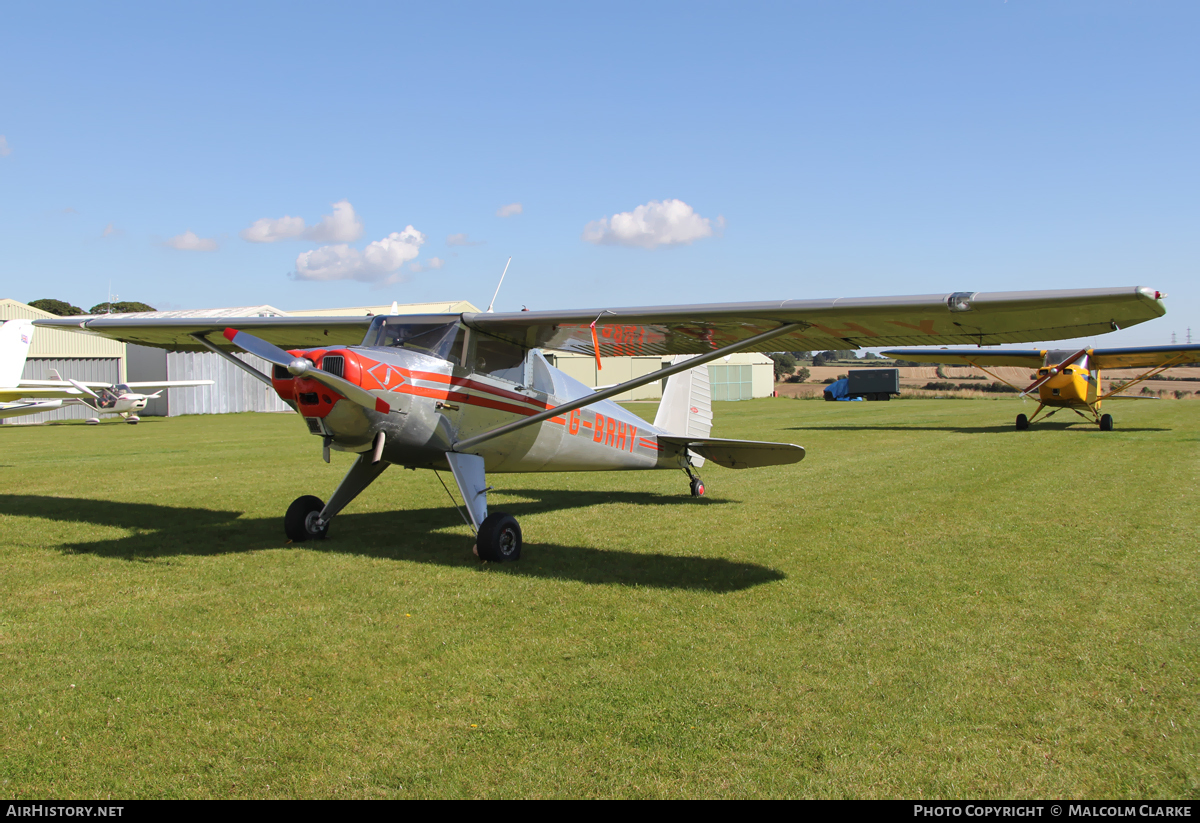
(686, 407)
(15, 336)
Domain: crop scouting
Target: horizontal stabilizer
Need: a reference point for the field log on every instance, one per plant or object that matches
(738, 454)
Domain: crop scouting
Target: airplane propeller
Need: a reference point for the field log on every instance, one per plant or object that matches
(301, 367)
(1054, 370)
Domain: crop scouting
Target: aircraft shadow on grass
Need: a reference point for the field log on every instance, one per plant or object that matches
(1076, 426)
(414, 535)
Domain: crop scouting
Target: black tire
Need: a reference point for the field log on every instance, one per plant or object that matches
(1106, 423)
(296, 521)
(499, 538)
(1022, 422)
(696, 487)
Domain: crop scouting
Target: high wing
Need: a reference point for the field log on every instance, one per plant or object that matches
(976, 318)
(174, 333)
(845, 323)
(1144, 357)
(1027, 358)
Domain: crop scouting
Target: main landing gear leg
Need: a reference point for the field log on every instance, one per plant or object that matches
(497, 535)
(308, 518)
(696, 485)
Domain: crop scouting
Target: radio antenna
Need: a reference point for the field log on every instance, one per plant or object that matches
(498, 285)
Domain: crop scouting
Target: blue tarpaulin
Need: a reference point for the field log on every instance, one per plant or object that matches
(837, 390)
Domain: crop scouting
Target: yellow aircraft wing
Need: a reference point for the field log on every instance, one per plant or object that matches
(1027, 358)
(1133, 358)
(1146, 357)
(981, 318)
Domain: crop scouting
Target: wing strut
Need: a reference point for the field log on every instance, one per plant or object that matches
(241, 364)
(1154, 372)
(620, 388)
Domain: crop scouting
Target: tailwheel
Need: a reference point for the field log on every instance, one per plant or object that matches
(1106, 423)
(1022, 422)
(303, 520)
(499, 538)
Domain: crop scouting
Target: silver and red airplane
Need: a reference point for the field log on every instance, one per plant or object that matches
(473, 394)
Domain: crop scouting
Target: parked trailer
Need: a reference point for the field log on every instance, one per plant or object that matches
(873, 384)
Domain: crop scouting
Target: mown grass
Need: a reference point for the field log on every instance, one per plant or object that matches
(930, 605)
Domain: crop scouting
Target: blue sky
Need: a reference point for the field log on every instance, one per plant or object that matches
(658, 152)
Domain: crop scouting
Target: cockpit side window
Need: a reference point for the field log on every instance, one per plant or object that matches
(499, 358)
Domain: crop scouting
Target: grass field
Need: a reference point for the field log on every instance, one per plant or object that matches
(930, 605)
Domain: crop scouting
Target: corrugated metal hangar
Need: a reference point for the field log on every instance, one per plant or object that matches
(93, 358)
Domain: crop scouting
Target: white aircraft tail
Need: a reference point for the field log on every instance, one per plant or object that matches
(686, 407)
(15, 336)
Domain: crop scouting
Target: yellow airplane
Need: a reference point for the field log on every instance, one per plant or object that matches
(1065, 379)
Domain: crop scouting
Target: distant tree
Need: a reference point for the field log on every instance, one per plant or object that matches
(119, 308)
(800, 376)
(871, 356)
(58, 307)
(785, 364)
(824, 358)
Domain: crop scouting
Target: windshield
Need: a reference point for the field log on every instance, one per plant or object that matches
(441, 340)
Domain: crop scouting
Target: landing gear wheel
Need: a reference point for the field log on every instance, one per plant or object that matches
(499, 538)
(696, 487)
(1022, 422)
(133, 420)
(1106, 423)
(300, 521)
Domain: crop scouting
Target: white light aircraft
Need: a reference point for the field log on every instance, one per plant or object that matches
(103, 398)
(473, 393)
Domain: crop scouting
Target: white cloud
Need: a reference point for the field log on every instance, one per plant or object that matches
(343, 226)
(267, 230)
(374, 263)
(432, 264)
(665, 223)
(188, 241)
(463, 240)
(511, 210)
(4, 149)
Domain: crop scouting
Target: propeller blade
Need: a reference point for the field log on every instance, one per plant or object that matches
(299, 366)
(267, 351)
(1054, 370)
